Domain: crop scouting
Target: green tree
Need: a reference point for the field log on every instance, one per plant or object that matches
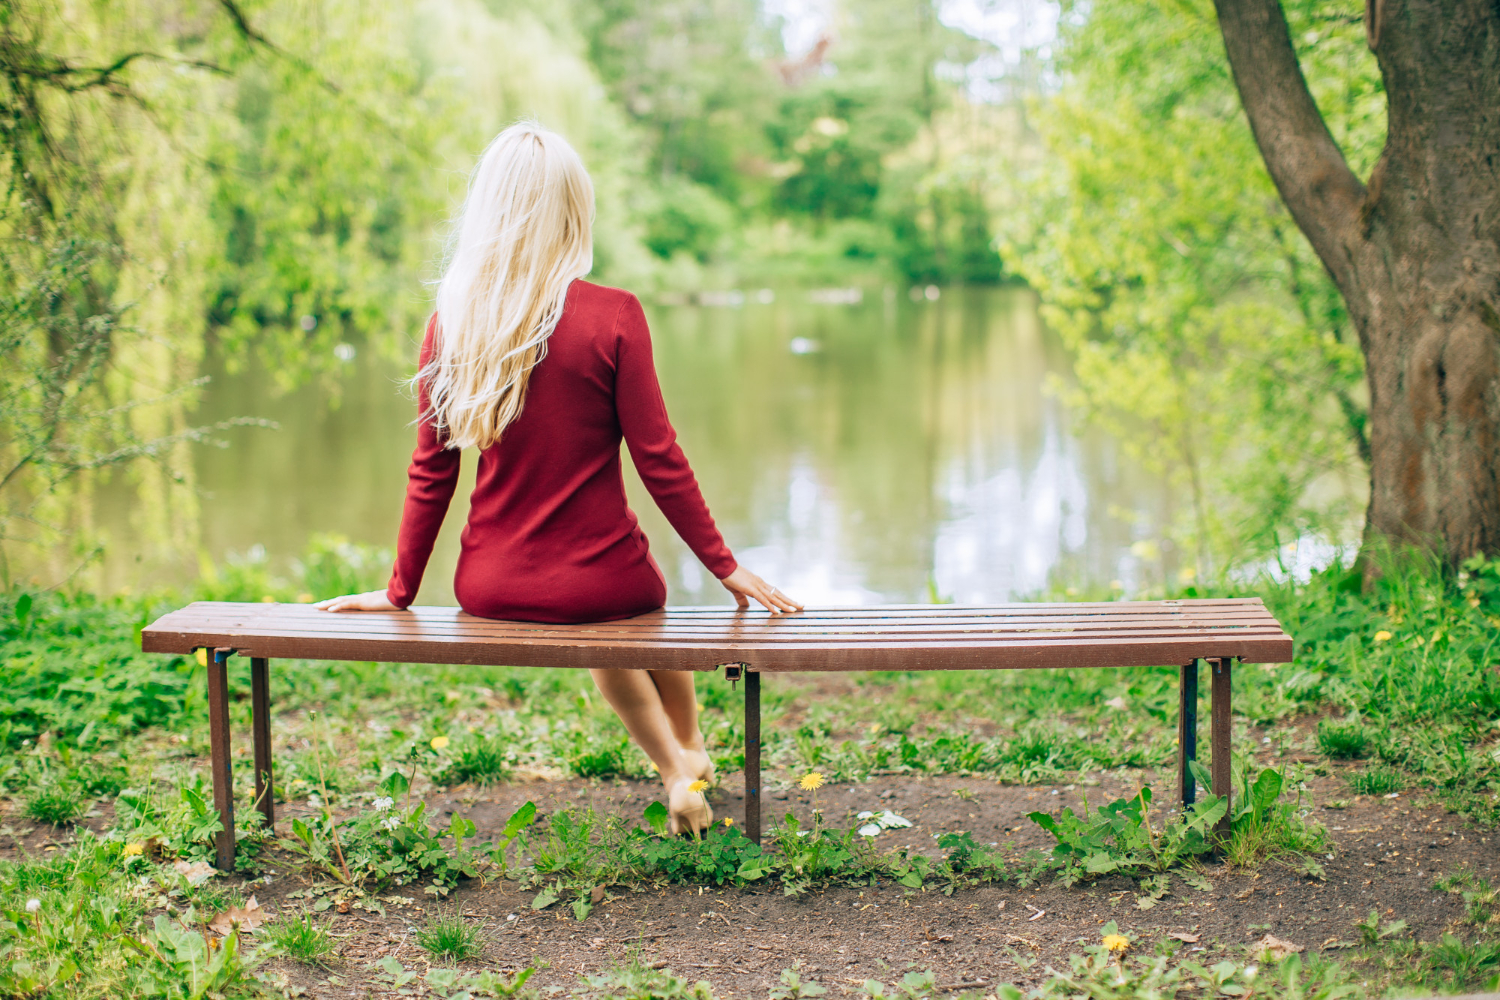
(1206, 333)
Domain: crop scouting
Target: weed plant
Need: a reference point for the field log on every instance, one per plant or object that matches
(54, 802)
(479, 760)
(301, 938)
(449, 936)
(633, 979)
(1344, 739)
(1377, 780)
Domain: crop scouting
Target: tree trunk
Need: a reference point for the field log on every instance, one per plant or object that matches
(1416, 254)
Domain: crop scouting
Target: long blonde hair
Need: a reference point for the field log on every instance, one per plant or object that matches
(525, 232)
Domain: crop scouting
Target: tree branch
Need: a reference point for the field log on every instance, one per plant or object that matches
(1305, 163)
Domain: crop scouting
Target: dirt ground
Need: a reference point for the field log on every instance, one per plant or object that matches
(1388, 852)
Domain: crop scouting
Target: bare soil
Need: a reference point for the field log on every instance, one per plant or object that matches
(1388, 853)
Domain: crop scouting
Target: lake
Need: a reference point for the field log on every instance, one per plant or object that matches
(854, 449)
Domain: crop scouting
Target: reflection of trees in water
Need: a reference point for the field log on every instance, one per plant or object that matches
(853, 467)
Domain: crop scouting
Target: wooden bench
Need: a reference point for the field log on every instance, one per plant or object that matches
(747, 643)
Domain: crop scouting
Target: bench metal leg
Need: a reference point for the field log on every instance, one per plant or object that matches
(752, 755)
(1220, 733)
(260, 725)
(221, 768)
(1187, 733)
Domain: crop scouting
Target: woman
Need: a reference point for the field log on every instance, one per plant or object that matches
(544, 373)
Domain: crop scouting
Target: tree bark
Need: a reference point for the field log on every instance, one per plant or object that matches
(1416, 252)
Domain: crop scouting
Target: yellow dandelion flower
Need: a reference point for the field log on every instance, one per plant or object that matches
(1116, 942)
(131, 850)
(811, 781)
(1382, 636)
(439, 742)
(699, 786)
(729, 821)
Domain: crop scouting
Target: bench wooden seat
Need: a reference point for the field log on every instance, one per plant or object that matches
(746, 643)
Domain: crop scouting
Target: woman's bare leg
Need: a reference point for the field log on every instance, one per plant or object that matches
(634, 696)
(680, 701)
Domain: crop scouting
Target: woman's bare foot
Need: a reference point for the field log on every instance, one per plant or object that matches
(687, 806)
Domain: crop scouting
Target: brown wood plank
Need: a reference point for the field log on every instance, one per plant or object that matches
(392, 622)
(811, 657)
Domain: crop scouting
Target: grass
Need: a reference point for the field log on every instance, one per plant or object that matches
(479, 760)
(1344, 740)
(1377, 780)
(301, 938)
(449, 936)
(55, 803)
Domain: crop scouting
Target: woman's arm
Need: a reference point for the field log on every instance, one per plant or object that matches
(664, 468)
(430, 481)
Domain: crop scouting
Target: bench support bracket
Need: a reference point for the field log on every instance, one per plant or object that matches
(752, 755)
(222, 768)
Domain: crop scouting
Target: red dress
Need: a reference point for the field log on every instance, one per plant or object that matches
(550, 537)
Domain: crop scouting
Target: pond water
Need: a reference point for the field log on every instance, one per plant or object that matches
(884, 450)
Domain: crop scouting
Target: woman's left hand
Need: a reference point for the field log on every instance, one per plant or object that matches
(375, 600)
(744, 585)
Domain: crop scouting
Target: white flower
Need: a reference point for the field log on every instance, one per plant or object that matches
(33, 905)
(381, 805)
(315, 801)
(863, 815)
(890, 821)
(869, 830)
(391, 823)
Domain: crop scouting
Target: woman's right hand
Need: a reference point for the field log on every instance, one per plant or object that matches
(744, 585)
(375, 600)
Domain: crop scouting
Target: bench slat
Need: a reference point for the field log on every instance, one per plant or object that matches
(892, 637)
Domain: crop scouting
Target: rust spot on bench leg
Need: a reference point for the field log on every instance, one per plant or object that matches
(1187, 733)
(1221, 732)
(752, 755)
(260, 724)
(221, 768)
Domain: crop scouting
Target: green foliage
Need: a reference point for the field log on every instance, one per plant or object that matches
(457, 985)
(1344, 740)
(599, 755)
(302, 938)
(1119, 839)
(1378, 780)
(55, 802)
(1206, 333)
(793, 987)
(1102, 974)
(912, 986)
(634, 980)
(1264, 824)
(89, 935)
(480, 760)
(449, 936)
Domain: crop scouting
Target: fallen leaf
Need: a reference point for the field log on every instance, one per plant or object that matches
(1273, 949)
(596, 894)
(1144, 902)
(1245, 894)
(1184, 937)
(196, 873)
(246, 918)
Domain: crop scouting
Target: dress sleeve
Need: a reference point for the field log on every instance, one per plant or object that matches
(653, 443)
(430, 481)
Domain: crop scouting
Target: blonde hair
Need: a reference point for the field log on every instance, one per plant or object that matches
(524, 233)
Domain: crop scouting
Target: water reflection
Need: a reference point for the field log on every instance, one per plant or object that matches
(875, 452)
